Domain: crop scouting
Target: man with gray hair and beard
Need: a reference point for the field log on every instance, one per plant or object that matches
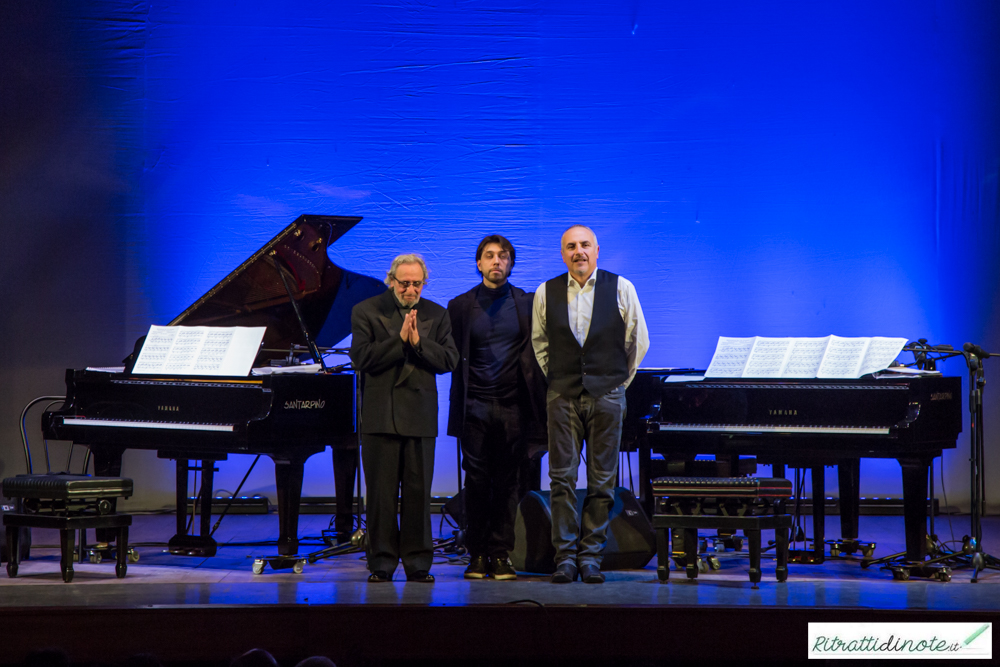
(400, 342)
(589, 337)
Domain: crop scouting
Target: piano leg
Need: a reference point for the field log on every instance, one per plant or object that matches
(207, 491)
(181, 496)
(849, 476)
(288, 479)
(345, 467)
(819, 512)
(106, 464)
(645, 483)
(915, 470)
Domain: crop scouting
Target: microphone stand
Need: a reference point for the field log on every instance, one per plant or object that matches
(925, 359)
(974, 357)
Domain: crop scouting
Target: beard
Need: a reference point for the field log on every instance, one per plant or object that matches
(404, 302)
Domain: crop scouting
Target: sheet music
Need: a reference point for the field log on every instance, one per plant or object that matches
(881, 352)
(804, 357)
(767, 357)
(730, 358)
(843, 357)
(828, 357)
(214, 351)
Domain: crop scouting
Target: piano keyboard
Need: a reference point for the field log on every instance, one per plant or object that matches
(169, 426)
(771, 428)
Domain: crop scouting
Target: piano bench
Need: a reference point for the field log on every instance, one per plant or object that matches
(67, 503)
(738, 503)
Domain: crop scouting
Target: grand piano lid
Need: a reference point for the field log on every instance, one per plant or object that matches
(254, 295)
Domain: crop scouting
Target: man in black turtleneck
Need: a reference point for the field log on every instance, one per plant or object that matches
(497, 395)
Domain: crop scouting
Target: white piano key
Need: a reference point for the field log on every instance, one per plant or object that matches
(771, 428)
(169, 426)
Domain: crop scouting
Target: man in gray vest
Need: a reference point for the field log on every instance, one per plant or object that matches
(589, 337)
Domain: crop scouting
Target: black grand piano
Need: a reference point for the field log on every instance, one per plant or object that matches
(802, 424)
(288, 417)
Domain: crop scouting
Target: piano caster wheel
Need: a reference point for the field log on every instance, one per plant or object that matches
(944, 575)
(133, 556)
(11, 569)
(120, 569)
(901, 574)
(95, 557)
(738, 543)
(834, 550)
(868, 551)
(713, 563)
(298, 567)
(258, 566)
(702, 565)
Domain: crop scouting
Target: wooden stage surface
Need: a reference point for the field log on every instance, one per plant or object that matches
(207, 610)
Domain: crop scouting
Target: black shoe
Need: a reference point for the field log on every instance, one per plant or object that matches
(479, 568)
(421, 576)
(591, 574)
(379, 576)
(502, 570)
(565, 573)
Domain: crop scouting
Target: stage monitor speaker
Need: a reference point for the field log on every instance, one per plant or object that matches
(631, 542)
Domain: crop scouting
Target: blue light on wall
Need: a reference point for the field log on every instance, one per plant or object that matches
(793, 169)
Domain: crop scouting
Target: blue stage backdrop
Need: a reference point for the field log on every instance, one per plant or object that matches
(776, 169)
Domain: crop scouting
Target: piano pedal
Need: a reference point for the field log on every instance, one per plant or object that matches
(295, 563)
(849, 547)
(721, 543)
(97, 553)
(902, 571)
(703, 566)
(806, 556)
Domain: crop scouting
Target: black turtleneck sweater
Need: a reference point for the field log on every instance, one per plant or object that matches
(494, 345)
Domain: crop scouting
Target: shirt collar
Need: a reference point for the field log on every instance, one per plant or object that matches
(570, 280)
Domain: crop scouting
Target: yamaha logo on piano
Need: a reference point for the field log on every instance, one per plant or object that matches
(168, 408)
(299, 404)
(790, 413)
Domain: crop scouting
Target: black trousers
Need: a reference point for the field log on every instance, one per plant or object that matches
(398, 467)
(493, 451)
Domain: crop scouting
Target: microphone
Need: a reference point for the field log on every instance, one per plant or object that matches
(976, 350)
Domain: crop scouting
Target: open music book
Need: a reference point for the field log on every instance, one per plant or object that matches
(827, 357)
(215, 351)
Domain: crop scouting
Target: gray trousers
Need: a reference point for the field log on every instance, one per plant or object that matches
(598, 422)
(398, 467)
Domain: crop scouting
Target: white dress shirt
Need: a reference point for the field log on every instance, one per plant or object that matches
(580, 302)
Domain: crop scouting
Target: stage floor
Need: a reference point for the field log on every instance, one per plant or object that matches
(330, 608)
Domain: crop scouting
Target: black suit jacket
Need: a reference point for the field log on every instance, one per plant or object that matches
(461, 310)
(400, 391)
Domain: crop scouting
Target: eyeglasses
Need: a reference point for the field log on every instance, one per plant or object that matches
(405, 284)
